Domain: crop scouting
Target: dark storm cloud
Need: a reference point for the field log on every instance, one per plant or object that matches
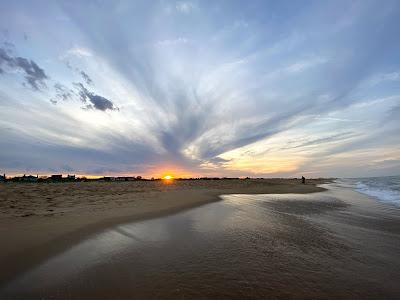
(34, 75)
(95, 101)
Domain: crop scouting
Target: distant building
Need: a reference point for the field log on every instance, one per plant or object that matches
(3, 177)
(71, 177)
(125, 178)
(107, 178)
(56, 177)
(29, 178)
(42, 179)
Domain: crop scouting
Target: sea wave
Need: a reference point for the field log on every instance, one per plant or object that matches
(386, 195)
(386, 189)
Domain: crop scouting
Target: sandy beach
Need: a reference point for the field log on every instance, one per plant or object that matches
(262, 239)
(40, 220)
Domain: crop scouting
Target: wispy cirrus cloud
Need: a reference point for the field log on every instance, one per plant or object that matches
(384, 77)
(79, 52)
(172, 42)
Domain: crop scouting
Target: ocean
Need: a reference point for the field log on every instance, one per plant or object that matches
(385, 189)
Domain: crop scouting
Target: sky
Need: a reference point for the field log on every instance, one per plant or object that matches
(200, 88)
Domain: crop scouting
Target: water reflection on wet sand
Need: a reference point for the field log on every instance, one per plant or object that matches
(326, 245)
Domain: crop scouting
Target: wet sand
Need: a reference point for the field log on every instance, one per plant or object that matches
(38, 221)
(327, 245)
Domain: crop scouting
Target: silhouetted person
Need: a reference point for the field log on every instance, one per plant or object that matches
(303, 180)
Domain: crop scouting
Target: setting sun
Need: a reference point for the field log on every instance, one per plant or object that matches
(168, 177)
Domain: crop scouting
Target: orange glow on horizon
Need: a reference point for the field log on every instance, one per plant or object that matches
(174, 171)
(168, 177)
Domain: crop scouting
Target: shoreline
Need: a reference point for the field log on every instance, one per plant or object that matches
(29, 239)
(313, 245)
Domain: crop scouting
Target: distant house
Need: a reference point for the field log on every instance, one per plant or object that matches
(56, 177)
(71, 177)
(42, 179)
(108, 178)
(3, 177)
(125, 178)
(29, 178)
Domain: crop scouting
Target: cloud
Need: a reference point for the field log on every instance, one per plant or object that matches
(324, 140)
(384, 77)
(82, 73)
(86, 77)
(184, 7)
(100, 103)
(9, 46)
(79, 52)
(184, 106)
(305, 64)
(96, 101)
(34, 75)
(62, 93)
(241, 104)
(393, 115)
(172, 42)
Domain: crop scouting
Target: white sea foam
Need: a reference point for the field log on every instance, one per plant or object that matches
(383, 194)
(386, 189)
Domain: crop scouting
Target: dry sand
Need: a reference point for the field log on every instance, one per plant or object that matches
(40, 219)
